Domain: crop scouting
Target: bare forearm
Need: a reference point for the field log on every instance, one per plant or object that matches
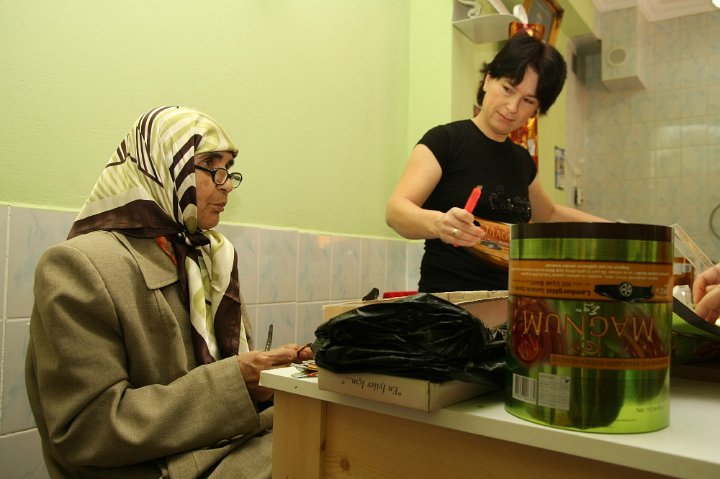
(412, 221)
(564, 213)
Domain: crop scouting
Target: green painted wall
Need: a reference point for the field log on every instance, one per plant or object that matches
(314, 93)
(325, 98)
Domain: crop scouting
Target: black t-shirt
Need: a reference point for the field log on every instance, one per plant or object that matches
(469, 158)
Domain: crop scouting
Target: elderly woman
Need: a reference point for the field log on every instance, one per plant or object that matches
(141, 361)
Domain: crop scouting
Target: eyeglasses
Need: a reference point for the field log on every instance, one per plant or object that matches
(221, 175)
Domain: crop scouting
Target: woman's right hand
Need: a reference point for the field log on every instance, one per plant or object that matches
(457, 227)
(252, 362)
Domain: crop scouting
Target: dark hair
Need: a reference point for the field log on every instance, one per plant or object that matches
(521, 52)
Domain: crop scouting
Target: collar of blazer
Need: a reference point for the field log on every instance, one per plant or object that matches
(155, 267)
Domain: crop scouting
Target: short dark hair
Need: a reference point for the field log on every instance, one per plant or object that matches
(521, 52)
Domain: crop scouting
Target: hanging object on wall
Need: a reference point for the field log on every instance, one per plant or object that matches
(559, 168)
(546, 13)
(527, 135)
(470, 18)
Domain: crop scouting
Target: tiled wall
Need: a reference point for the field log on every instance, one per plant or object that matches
(652, 155)
(285, 277)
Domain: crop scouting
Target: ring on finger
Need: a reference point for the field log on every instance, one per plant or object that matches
(454, 231)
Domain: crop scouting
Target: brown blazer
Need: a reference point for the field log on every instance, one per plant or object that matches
(112, 379)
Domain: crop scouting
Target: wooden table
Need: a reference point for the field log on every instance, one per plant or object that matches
(324, 434)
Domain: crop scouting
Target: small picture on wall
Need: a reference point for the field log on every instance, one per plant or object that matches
(546, 13)
(559, 168)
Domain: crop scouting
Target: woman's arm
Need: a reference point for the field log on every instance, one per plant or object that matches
(545, 211)
(406, 216)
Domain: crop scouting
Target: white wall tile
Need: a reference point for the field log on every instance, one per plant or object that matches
(694, 190)
(664, 26)
(694, 160)
(309, 317)
(21, 456)
(667, 134)
(693, 72)
(346, 268)
(642, 106)
(713, 131)
(314, 267)
(278, 266)
(668, 192)
(4, 210)
(668, 105)
(32, 231)
(415, 251)
(714, 160)
(666, 46)
(16, 413)
(373, 265)
(283, 317)
(693, 132)
(668, 162)
(665, 76)
(396, 266)
(693, 36)
(246, 241)
(713, 31)
(695, 101)
(258, 338)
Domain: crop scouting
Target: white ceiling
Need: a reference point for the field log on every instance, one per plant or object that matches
(654, 10)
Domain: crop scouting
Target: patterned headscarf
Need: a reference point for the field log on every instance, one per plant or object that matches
(147, 190)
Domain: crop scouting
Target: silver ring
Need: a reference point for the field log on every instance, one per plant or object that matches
(454, 232)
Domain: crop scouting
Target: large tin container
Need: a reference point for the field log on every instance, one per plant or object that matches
(589, 326)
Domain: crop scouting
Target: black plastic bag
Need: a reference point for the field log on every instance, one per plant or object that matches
(419, 336)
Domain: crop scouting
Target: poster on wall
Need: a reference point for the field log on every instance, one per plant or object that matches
(559, 168)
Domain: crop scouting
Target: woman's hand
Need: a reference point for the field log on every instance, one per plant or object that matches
(706, 294)
(253, 362)
(457, 227)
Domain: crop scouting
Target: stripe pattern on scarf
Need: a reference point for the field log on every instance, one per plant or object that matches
(147, 190)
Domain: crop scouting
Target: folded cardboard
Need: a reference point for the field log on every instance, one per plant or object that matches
(407, 392)
(494, 248)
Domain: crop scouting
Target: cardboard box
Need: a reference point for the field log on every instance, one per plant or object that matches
(488, 306)
(407, 392)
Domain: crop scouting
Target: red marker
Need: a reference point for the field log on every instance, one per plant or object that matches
(473, 199)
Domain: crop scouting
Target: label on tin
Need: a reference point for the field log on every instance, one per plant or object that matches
(587, 280)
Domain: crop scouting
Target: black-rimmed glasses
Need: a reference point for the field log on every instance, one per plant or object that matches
(221, 175)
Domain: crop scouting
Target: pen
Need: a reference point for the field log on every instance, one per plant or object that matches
(268, 343)
(473, 199)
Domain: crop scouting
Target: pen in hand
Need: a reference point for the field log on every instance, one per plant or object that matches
(268, 343)
(475, 195)
(472, 201)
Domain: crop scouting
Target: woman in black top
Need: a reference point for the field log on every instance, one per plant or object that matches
(525, 77)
